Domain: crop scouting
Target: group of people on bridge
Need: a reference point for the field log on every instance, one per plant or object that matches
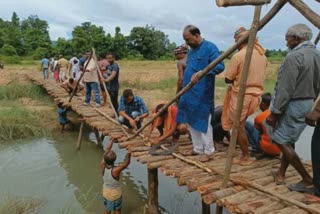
(284, 114)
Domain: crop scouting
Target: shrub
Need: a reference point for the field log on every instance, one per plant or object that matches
(8, 50)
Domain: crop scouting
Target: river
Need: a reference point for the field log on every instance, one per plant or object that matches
(69, 181)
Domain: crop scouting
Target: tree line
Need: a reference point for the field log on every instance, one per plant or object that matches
(30, 37)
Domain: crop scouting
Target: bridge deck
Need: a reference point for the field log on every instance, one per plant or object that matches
(251, 189)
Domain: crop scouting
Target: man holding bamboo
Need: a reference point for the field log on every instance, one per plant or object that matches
(254, 88)
(196, 105)
(298, 84)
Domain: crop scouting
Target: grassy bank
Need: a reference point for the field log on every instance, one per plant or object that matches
(15, 205)
(24, 112)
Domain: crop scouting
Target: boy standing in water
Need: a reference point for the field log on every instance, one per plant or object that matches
(112, 193)
(62, 112)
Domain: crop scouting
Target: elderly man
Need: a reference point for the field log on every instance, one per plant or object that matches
(254, 88)
(181, 55)
(196, 105)
(298, 83)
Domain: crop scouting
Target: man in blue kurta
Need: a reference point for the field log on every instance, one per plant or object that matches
(196, 105)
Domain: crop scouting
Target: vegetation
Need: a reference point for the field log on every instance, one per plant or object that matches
(14, 205)
(18, 121)
(30, 37)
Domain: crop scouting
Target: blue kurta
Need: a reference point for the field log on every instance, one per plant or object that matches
(197, 104)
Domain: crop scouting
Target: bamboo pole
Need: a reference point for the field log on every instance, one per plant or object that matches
(80, 136)
(205, 208)
(153, 191)
(96, 133)
(272, 12)
(219, 209)
(242, 90)
(306, 11)
(108, 95)
(227, 3)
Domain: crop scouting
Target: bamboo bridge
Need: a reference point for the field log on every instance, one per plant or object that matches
(251, 189)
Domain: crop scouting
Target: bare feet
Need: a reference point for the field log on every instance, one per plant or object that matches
(279, 180)
(205, 158)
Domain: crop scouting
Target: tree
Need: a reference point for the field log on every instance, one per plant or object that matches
(63, 47)
(148, 41)
(87, 36)
(35, 34)
(118, 44)
(8, 50)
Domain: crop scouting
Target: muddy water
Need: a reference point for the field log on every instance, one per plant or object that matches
(69, 181)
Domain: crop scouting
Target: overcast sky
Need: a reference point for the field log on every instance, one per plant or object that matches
(170, 16)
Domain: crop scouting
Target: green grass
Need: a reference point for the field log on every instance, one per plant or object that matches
(15, 205)
(15, 91)
(166, 84)
(20, 123)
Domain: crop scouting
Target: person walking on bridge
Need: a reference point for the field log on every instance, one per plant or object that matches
(298, 84)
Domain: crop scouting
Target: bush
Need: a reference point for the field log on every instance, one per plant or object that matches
(8, 50)
(15, 91)
(10, 59)
(40, 53)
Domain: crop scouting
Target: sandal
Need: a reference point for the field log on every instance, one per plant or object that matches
(276, 179)
(301, 187)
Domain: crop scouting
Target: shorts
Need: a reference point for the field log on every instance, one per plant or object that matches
(292, 123)
(112, 205)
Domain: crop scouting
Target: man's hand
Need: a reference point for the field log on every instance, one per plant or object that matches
(195, 78)
(312, 119)
(132, 122)
(272, 119)
(156, 141)
(137, 119)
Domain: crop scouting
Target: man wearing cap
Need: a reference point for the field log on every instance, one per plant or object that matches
(298, 84)
(181, 55)
(254, 88)
(196, 105)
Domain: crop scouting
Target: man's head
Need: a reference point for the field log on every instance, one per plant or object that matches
(192, 36)
(158, 107)
(110, 57)
(127, 95)
(265, 101)
(110, 157)
(240, 32)
(71, 80)
(60, 104)
(297, 34)
(180, 51)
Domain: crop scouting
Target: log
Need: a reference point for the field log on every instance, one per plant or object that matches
(272, 12)
(277, 195)
(154, 165)
(194, 183)
(80, 135)
(213, 197)
(242, 90)
(96, 133)
(153, 191)
(183, 180)
(210, 187)
(138, 154)
(306, 11)
(151, 159)
(227, 3)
